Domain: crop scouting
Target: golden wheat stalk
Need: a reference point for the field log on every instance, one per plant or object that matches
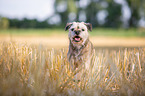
(36, 70)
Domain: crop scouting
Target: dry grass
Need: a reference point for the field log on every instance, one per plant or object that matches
(27, 70)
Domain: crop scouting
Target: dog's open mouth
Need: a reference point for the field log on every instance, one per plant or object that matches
(77, 38)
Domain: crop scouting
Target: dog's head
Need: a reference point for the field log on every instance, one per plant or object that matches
(78, 31)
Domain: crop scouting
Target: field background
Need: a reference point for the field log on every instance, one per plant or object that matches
(33, 62)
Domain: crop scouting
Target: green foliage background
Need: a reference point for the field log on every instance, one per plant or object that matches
(86, 11)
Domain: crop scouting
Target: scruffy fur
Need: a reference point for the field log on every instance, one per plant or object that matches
(80, 47)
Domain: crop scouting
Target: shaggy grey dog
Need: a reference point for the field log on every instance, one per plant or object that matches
(80, 47)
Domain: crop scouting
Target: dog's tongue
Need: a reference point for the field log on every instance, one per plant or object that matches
(77, 39)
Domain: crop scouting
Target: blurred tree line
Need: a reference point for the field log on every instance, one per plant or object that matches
(101, 13)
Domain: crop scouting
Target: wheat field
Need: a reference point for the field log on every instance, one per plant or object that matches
(35, 70)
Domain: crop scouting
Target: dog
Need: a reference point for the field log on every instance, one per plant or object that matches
(80, 47)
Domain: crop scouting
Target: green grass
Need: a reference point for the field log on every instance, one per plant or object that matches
(119, 32)
(29, 32)
(36, 71)
(96, 32)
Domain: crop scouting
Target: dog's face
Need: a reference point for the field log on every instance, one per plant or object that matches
(78, 31)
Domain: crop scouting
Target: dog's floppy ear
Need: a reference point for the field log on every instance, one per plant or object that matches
(89, 26)
(68, 25)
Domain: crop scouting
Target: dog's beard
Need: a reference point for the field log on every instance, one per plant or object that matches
(77, 39)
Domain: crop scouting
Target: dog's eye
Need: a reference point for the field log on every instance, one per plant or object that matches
(72, 29)
(83, 29)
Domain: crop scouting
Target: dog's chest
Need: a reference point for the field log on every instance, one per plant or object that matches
(79, 54)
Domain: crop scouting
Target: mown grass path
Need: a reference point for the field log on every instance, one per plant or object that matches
(60, 41)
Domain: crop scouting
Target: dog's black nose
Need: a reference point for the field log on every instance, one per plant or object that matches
(77, 32)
